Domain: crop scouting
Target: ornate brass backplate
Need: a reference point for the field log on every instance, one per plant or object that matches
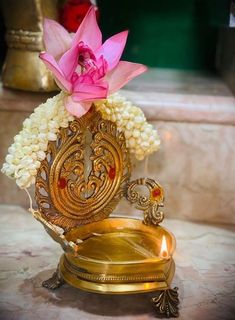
(84, 174)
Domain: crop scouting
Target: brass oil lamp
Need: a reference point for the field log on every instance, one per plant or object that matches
(83, 169)
(87, 170)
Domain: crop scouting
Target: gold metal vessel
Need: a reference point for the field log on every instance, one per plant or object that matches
(85, 174)
(118, 255)
(24, 23)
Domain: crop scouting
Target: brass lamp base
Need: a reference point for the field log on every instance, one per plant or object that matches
(83, 177)
(119, 256)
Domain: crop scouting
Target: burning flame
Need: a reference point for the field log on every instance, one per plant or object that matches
(164, 250)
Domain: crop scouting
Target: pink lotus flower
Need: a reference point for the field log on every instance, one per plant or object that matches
(84, 68)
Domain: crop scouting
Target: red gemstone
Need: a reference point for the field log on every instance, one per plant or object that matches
(62, 183)
(156, 192)
(112, 173)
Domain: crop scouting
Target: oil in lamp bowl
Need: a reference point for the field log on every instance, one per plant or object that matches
(119, 255)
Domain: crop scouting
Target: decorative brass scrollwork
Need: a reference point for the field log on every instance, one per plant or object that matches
(148, 204)
(167, 302)
(54, 282)
(84, 174)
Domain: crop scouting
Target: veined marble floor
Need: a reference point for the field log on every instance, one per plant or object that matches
(205, 275)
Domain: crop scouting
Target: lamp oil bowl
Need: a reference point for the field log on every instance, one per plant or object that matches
(79, 183)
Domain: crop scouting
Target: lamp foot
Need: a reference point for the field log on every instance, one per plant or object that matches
(54, 282)
(167, 302)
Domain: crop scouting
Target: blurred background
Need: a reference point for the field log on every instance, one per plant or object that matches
(168, 34)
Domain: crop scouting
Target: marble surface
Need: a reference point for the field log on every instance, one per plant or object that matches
(196, 167)
(205, 275)
(185, 107)
(21, 101)
(179, 81)
(185, 96)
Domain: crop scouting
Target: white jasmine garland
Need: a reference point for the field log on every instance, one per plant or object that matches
(141, 138)
(28, 150)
